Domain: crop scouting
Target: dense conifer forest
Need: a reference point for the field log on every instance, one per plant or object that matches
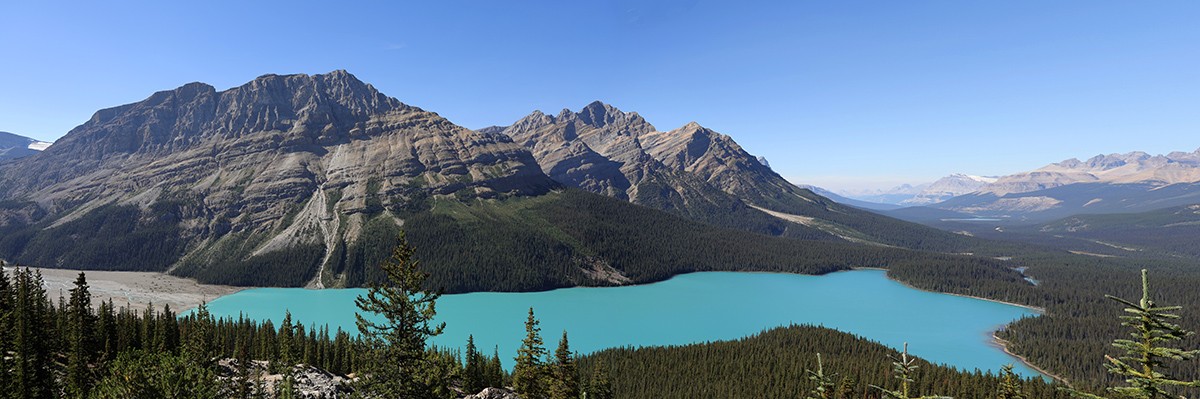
(773, 364)
(71, 348)
(467, 244)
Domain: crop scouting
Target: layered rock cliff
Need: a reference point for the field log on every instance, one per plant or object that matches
(692, 171)
(287, 161)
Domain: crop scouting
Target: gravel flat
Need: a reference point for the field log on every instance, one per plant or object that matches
(134, 289)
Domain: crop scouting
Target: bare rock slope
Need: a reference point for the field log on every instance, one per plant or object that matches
(282, 163)
(695, 172)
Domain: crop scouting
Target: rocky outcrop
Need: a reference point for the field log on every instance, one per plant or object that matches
(309, 382)
(494, 393)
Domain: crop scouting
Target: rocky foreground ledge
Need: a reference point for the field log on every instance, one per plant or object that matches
(315, 383)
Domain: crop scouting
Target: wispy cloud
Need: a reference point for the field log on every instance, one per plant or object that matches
(395, 46)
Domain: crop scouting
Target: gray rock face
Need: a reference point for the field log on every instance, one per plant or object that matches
(494, 393)
(309, 382)
(607, 151)
(243, 158)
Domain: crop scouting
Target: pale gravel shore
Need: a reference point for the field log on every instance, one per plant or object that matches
(133, 289)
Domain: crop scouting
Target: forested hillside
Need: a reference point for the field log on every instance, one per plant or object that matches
(571, 237)
(776, 364)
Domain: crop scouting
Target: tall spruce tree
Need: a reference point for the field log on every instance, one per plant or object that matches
(600, 385)
(106, 338)
(1145, 353)
(903, 369)
(529, 372)
(80, 330)
(495, 371)
(564, 381)
(473, 368)
(32, 354)
(396, 363)
(824, 388)
(6, 316)
(1010, 384)
(6, 331)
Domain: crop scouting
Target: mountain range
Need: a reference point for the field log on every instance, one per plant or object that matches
(305, 180)
(913, 195)
(1114, 183)
(697, 173)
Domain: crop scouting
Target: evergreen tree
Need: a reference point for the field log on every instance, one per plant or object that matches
(200, 353)
(167, 331)
(848, 389)
(564, 382)
(396, 361)
(79, 339)
(473, 368)
(243, 387)
(495, 371)
(1145, 355)
(528, 372)
(32, 354)
(1010, 384)
(286, 340)
(600, 386)
(6, 331)
(903, 368)
(106, 338)
(824, 388)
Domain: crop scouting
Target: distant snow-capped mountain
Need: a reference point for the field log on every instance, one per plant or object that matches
(893, 196)
(1114, 183)
(949, 187)
(15, 145)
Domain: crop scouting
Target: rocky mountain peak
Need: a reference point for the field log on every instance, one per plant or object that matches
(296, 161)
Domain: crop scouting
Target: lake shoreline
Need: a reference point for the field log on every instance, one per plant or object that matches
(1039, 311)
(1003, 345)
(996, 341)
(136, 290)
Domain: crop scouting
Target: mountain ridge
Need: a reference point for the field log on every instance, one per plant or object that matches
(691, 171)
(217, 170)
(1114, 183)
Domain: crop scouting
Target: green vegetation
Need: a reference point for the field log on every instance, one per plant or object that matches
(719, 208)
(374, 183)
(111, 237)
(1141, 367)
(773, 364)
(71, 349)
(529, 372)
(396, 361)
(547, 242)
(1071, 340)
(229, 261)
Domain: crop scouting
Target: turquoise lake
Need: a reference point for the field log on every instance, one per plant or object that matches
(689, 308)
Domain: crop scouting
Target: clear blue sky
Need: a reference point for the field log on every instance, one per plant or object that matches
(841, 94)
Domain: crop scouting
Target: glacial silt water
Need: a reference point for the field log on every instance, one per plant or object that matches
(689, 308)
